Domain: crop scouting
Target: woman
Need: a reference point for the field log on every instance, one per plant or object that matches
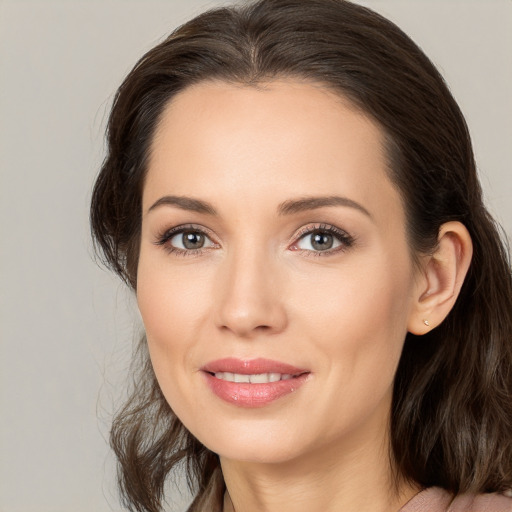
(290, 191)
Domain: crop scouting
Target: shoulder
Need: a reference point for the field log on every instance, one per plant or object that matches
(492, 502)
(435, 499)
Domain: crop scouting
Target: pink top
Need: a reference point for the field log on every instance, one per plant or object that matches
(435, 499)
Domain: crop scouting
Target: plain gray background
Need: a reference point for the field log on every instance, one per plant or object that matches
(66, 326)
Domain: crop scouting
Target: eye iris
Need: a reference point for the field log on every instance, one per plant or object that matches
(322, 241)
(192, 240)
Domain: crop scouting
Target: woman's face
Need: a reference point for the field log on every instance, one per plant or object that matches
(275, 281)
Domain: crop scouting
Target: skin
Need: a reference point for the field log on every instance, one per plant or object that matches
(258, 288)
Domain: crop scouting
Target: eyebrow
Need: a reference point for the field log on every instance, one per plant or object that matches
(312, 203)
(288, 207)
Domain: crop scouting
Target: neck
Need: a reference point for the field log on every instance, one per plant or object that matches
(351, 475)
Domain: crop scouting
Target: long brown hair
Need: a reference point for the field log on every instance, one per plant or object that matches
(451, 420)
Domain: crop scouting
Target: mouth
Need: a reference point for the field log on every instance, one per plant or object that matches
(255, 378)
(253, 383)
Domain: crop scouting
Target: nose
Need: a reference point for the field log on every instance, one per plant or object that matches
(248, 299)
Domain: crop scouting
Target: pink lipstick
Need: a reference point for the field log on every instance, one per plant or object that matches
(252, 383)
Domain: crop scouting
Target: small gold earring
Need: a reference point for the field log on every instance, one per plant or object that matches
(426, 322)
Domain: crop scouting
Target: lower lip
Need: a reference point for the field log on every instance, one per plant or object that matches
(244, 394)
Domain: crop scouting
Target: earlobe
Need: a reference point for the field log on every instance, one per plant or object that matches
(442, 276)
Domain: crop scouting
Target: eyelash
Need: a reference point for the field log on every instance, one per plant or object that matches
(346, 240)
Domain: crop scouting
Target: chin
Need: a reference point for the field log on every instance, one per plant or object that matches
(261, 452)
(253, 441)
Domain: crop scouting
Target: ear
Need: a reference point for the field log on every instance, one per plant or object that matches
(440, 278)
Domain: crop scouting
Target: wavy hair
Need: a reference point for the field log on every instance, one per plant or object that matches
(451, 418)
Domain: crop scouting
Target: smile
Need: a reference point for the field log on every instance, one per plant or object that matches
(257, 378)
(253, 383)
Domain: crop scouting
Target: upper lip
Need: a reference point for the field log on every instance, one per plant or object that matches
(251, 366)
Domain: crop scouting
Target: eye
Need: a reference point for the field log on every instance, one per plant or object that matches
(190, 240)
(323, 238)
(185, 240)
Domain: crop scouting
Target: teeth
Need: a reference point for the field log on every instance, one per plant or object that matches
(259, 378)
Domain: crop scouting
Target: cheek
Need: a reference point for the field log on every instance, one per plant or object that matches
(361, 322)
(367, 295)
(170, 309)
(156, 298)
(173, 305)
(359, 329)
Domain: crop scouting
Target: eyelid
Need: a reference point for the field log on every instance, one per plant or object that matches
(169, 232)
(320, 226)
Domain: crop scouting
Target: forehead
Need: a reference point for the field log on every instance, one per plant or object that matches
(280, 109)
(278, 140)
